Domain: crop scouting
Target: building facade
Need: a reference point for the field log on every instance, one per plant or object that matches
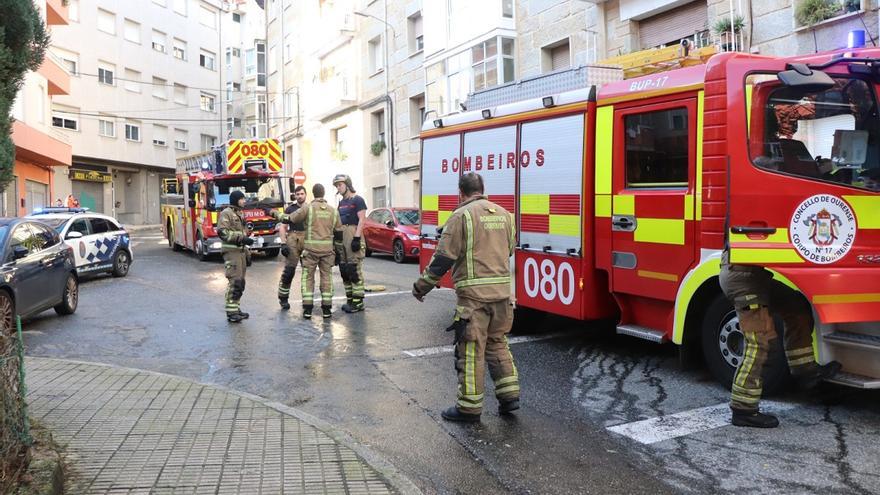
(146, 88)
(41, 152)
(244, 66)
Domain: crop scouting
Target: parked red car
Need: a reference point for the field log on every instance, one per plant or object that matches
(394, 231)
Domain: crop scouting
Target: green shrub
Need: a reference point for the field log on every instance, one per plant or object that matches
(722, 25)
(809, 12)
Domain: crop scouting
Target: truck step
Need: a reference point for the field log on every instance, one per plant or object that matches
(853, 339)
(857, 381)
(650, 334)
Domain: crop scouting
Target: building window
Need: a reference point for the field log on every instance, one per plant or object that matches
(250, 61)
(180, 138)
(73, 10)
(160, 135)
(132, 81)
(65, 122)
(208, 142)
(290, 103)
(273, 54)
(107, 128)
(132, 31)
(206, 59)
(132, 132)
(261, 64)
(507, 8)
(179, 49)
(206, 102)
(236, 17)
(338, 139)
(378, 127)
(415, 33)
(556, 56)
(416, 114)
(159, 41)
(160, 88)
(106, 21)
(69, 60)
(207, 17)
(179, 94)
(180, 6)
(657, 148)
(374, 54)
(379, 197)
(105, 76)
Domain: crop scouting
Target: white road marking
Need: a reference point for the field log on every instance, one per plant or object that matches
(448, 349)
(371, 294)
(653, 430)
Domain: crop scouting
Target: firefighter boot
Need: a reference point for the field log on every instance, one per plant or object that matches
(244, 316)
(234, 317)
(285, 305)
(453, 414)
(356, 305)
(823, 372)
(508, 406)
(753, 419)
(327, 311)
(307, 311)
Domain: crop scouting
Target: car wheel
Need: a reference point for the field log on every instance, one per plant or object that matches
(121, 263)
(201, 248)
(7, 313)
(724, 344)
(70, 298)
(272, 252)
(398, 252)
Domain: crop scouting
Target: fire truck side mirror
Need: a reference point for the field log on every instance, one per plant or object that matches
(804, 78)
(192, 203)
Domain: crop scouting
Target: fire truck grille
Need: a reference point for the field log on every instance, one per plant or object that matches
(261, 226)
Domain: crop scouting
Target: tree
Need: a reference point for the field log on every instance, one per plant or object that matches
(23, 42)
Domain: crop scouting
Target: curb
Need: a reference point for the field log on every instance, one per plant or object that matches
(140, 228)
(398, 481)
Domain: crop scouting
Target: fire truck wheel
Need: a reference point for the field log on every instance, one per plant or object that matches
(170, 231)
(723, 347)
(527, 320)
(201, 248)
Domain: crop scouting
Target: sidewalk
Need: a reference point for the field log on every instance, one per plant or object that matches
(141, 228)
(132, 431)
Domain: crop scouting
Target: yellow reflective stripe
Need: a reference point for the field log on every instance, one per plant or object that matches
(568, 225)
(660, 231)
(604, 146)
(482, 281)
(470, 379)
(603, 205)
(846, 298)
(430, 202)
(442, 217)
(867, 210)
(669, 277)
(757, 255)
(624, 205)
(469, 243)
(318, 242)
(535, 204)
(749, 89)
(781, 236)
(510, 356)
(799, 352)
(507, 389)
(746, 391)
(748, 359)
(512, 229)
(745, 398)
(800, 361)
(692, 281)
(688, 206)
(699, 187)
(309, 224)
(507, 379)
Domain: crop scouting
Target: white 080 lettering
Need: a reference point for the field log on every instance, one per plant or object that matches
(547, 280)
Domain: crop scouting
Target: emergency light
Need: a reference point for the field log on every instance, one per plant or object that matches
(487, 114)
(856, 39)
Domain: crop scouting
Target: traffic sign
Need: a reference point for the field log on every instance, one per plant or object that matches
(299, 177)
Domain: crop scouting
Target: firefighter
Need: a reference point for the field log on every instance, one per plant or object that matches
(230, 227)
(322, 230)
(352, 212)
(757, 298)
(293, 235)
(477, 243)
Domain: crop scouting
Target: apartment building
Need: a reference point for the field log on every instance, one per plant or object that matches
(244, 66)
(146, 88)
(41, 152)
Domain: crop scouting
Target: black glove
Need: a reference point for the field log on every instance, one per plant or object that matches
(337, 259)
(285, 250)
(356, 244)
(249, 241)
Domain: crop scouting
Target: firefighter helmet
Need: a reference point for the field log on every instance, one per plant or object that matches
(346, 179)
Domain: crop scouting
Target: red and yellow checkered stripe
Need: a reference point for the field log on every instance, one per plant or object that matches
(555, 214)
(437, 208)
(238, 151)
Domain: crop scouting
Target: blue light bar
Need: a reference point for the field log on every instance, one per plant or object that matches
(856, 39)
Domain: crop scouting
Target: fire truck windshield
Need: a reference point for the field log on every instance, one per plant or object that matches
(831, 135)
(265, 189)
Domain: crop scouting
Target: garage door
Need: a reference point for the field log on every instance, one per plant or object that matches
(673, 25)
(90, 195)
(37, 195)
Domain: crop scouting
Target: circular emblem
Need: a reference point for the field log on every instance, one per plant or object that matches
(82, 249)
(823, 229)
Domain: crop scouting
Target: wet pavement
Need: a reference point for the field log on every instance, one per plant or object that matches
(382, 377)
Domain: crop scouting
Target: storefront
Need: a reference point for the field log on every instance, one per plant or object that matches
(88, 187)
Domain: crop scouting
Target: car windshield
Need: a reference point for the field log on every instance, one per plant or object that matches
(55, 223)
(266, 189)
(831, 135)
(407, 217)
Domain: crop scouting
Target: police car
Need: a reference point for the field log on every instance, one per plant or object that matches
(100, 244)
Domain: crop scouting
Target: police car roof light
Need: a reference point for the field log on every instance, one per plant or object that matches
(58, 209)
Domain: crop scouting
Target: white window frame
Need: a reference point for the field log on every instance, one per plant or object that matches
(211, 100)
(134, 36)
(110, 30)
(102, 78)
(374, 55)
(203, 139)
(180, 7)
(73, 10)
(101, 128)
(130, 83)
(205, 11)
(176, 100)
(178, 45)
(416, 39)
(181, 144)
(160, 88)
(128, 128)
(161, 45)
(205, 57)
(65, 118)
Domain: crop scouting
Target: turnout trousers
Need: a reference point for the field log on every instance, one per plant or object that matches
(295, 242)
(235, 264)
(352, 267)
(481, 330)
(323, 263)
(757, 298)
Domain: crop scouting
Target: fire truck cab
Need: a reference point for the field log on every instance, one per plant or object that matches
(626, 197)
(192, 202)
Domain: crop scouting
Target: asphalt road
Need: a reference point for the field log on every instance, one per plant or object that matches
(601, 413)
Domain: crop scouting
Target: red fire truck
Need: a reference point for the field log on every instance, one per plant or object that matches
(625, 198)
(192, 202)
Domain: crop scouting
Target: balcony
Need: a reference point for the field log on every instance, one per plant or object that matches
(56, 12)
(39, 147)
(56, 75)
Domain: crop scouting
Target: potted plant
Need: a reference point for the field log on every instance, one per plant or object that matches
(377, 148)
(723, 29)
(810, 12)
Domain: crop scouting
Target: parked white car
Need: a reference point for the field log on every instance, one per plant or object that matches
(99, 243)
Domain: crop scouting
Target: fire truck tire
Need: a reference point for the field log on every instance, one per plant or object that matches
(723, 347)
(527, 320)
(170, 231)
(272, 252)
(201, 248)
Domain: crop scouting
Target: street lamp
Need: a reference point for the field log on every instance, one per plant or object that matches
(388, 106)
